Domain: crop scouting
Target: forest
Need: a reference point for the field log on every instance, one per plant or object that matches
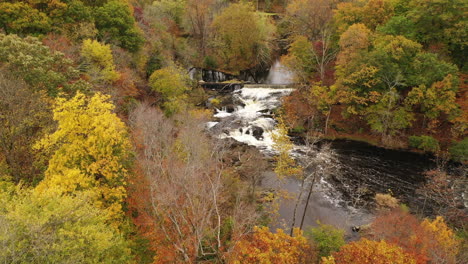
(105, 155)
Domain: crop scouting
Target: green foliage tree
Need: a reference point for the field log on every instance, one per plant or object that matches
(171, 83)
(28, 59)
(90, 152)
(440, 21)
(425, 143)
(387, 116)
(37, 228)
(99, 57)
(242, 37)
(327, 238)
(300, 59)
(459, 150)
(115, 22)
(77, 21)
(399, 26)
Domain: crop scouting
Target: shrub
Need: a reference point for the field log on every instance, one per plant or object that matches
(328, 239)
(386, 201)
(425, 143)
(459, 150)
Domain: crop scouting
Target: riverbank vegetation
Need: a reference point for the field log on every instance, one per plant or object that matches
(103, 153)
(387, 72)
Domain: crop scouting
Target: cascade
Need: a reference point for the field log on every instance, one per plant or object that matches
(358, 170)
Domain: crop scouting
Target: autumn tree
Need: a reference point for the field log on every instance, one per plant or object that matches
(24, 116)
(374, 73)
(198, 18)
(442, 192)
(28, 59)
(187, 214)
(252, 166)
(354, 43)
(172, 84)
(264, 246)
(312, 49)
(242, 38)
(427, 241)
(89, 152)
(368, 251)
(324, 97)
(308, 18)
(371, 13)
(38, 228)
(21, 18)
(388, 116)
(101, 63)
(286, 166)
(437, 99)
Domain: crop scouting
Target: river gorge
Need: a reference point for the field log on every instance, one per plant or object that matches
(351, 172)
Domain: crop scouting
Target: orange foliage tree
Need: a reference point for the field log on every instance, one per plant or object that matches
(368, 251)
(427, 241)
(264, 246)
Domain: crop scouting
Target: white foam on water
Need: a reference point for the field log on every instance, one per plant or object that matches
(264, 93)
(222, 113)
(211, 124)
(254, 114)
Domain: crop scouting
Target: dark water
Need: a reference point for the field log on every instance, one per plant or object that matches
(381, 170)
(344, 198)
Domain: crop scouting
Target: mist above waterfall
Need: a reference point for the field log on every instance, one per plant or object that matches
(279, 74)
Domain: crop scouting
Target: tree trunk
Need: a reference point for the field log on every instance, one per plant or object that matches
(307, 201)
(295, 208)
(326, 121)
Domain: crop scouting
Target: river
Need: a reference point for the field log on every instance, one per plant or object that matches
(350, 172)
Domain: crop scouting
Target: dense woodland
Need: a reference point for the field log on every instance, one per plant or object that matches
(104, 157)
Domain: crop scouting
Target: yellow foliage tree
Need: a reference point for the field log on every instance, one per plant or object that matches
(242, 37)
(90, 150)
(101, 62)
(273, 248)
(171, 83)
(368, 251)
(444, 245)
(286, 166)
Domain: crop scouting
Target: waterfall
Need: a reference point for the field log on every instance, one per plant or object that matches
(252, 120)
(279, 74)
